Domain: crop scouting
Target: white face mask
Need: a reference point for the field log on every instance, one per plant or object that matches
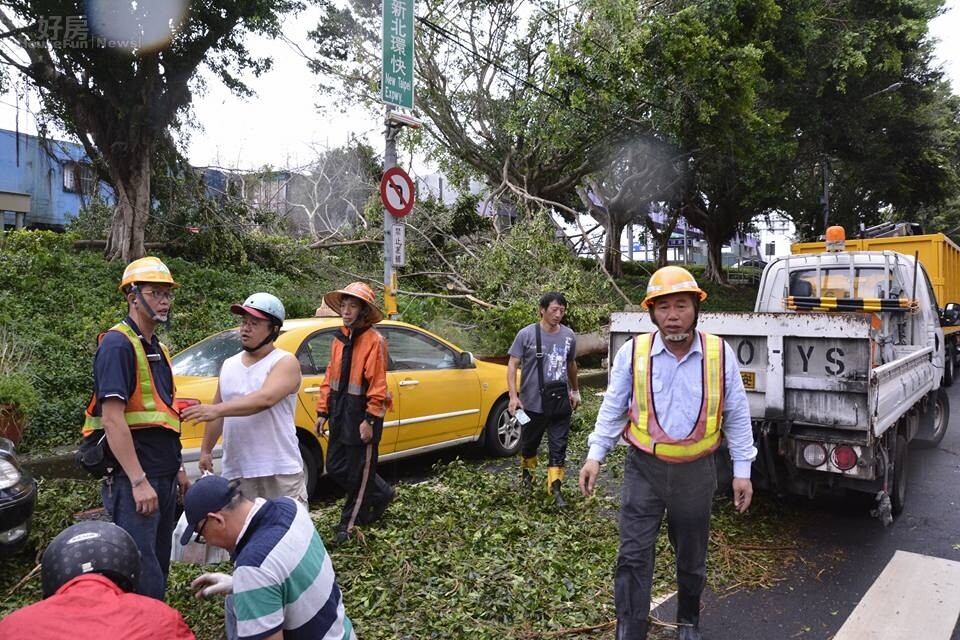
(676, 337)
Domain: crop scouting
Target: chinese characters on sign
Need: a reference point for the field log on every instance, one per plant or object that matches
(397, 79)
(399, 244)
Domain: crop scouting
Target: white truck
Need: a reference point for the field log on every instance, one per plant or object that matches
(843, 362)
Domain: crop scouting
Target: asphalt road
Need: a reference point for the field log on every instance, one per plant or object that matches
(844, 549)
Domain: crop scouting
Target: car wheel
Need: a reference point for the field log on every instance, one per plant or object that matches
(311, 466)
(940, 419)
(898, 496)
(503, 432)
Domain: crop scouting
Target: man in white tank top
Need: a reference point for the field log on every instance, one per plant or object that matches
(254, 408)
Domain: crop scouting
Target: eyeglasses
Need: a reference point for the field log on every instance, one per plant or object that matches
(199, 531)
(157, 294)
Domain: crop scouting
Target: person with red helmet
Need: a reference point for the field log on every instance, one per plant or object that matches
(679, 392)
(353, 400)
(133, 409)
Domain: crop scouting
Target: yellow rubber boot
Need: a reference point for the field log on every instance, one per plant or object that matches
(527, 465)
(554, 480)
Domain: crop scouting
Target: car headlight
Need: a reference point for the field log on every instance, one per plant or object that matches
(9, 474)
(12, 535)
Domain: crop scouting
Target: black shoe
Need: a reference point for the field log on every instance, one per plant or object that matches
(377, 510)
(557, 496)
(526, 479)
(339, 538)
(686, 632)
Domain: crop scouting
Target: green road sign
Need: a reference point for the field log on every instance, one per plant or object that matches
(397, 79)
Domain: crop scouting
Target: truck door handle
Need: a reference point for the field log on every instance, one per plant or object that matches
(311, 389)
(409, 383)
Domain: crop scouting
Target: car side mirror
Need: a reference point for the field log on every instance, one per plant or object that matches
(950, 315)
(466, 361)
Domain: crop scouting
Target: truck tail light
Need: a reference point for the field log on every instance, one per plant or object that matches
(814, 454)
(844, 457)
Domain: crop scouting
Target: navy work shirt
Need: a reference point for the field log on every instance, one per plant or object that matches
(115, 376)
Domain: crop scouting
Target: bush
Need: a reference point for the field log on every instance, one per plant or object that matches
(59, 299)
(18, 393)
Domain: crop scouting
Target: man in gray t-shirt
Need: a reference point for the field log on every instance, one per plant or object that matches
(558, 348)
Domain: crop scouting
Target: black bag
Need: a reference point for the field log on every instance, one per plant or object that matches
(94, 455)
(554, 397)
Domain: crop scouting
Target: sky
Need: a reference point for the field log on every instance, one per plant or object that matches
(282, 127)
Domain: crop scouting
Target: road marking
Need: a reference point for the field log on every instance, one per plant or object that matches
(915, 596)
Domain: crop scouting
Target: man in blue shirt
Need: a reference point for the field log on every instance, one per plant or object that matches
(674, 389)
(133, 406)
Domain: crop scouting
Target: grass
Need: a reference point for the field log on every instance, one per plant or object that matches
(467, 554)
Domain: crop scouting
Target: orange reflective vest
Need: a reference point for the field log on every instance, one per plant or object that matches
(145, 408)
(643, 429)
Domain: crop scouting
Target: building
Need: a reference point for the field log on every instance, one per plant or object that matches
(44, 183)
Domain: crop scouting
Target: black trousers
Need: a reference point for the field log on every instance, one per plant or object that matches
(557, 431)
(354, 468)
(685, 492)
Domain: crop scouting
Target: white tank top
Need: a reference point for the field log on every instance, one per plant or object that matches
(265, 443)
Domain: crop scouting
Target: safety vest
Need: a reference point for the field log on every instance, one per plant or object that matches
(145, 408)
(644, 431)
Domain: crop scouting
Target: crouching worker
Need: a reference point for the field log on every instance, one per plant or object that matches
(90, 574)
(283, 585)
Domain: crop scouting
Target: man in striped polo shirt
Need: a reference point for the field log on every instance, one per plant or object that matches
(283, 584)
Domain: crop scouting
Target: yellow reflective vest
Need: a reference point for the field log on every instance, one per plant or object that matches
(145, 407)
(643, 429)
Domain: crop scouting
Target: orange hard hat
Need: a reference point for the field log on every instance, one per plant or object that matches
(360, 290)
(148, 269)
(671, 279)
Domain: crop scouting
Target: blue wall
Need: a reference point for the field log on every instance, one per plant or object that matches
(39, 173)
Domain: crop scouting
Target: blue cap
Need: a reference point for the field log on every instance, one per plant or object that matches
(209, 494)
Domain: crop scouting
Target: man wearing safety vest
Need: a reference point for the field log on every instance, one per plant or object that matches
(133, 403)
(675, 389)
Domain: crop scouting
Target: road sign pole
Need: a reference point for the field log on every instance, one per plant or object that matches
(397, 88)
(389, 277)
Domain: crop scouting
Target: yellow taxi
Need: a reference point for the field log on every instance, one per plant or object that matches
(442, 395)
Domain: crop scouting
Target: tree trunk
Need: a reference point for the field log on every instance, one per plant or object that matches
(612, 258)
(714, 270)
(133, 205)
(662, 253)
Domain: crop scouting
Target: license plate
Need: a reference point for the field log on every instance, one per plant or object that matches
(749, 380)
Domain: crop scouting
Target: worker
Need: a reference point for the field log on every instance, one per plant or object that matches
(133, 404)
(677, 390)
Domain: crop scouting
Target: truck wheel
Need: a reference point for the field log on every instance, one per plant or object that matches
(949, 362)
(940, 419)
(898, 497)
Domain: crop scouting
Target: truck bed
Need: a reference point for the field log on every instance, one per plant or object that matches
(810, 369)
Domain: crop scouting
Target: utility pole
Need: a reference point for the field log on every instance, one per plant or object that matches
(396, 91)
(389, 275)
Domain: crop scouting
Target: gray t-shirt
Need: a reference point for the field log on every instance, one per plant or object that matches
(558, 349)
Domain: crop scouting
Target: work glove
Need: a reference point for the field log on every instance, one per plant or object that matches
(210, 584)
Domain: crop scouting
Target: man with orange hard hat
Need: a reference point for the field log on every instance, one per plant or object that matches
(353, 399)
(133, 406)
(678, 391)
